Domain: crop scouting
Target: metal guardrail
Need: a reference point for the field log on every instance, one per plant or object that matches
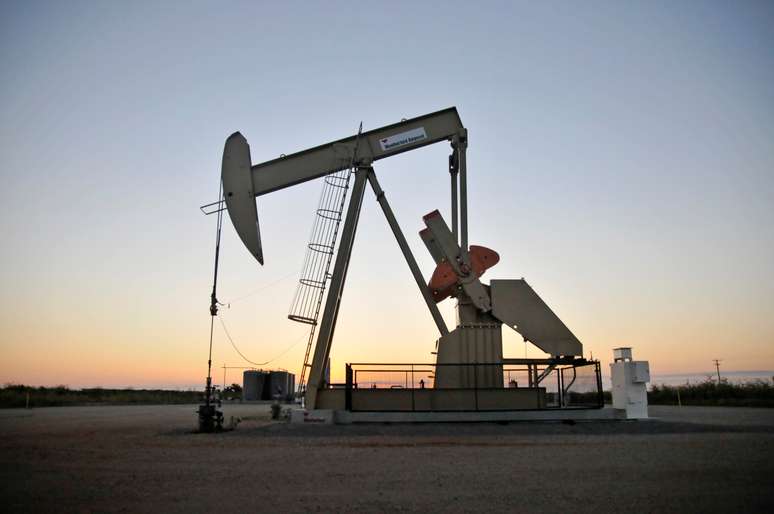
(557, 383)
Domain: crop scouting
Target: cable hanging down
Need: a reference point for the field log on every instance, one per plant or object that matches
(213, 297)
(233, 344)
(210, 418)
(261, 288)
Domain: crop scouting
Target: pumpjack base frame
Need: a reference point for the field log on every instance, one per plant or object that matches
(404, 397)
(344, 417)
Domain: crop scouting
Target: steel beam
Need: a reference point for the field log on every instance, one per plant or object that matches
(431, 245)
(545, 373)
(322, 348)
(462, 163)
(367, 147)
(404, 247)
(243, 182)
(454, 173)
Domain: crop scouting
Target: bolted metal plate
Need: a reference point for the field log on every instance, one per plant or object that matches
(516, 304)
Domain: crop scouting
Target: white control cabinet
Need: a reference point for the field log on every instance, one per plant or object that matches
(630, 380)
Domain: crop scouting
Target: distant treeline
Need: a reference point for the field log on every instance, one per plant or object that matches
(18, 396)
(748, 394)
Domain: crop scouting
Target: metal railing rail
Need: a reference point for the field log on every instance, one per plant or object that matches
(577, 383)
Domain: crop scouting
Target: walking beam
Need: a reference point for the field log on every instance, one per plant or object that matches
(371, 146)
(243, 182)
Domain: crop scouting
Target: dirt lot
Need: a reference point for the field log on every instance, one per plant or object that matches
(141, 459)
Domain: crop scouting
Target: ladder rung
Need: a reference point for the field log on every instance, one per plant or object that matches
(329, 214)
(322, 248)
(341, 182)
(319, 284)
(323, 242)
(302, 319)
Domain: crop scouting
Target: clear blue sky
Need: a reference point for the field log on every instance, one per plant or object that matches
(621, 159)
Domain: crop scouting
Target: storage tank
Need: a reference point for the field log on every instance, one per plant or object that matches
(281, 384)
(253, 385)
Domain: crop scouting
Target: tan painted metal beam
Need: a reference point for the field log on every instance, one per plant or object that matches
(371, 146)
(322, 348)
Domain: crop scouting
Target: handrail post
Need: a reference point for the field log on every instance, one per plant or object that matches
(348, 390)
(600, 394)
(413, 403)
(475, 383)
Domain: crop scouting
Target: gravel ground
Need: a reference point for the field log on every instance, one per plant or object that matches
(146, 458)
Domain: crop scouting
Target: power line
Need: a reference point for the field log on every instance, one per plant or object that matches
(717, 367)
(263, 287)
(286, 350)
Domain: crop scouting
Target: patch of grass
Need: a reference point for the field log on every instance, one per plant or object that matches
(15, 395)
(748, 394)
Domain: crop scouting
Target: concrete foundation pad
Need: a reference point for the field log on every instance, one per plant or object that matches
(343, 417)
(320, 416)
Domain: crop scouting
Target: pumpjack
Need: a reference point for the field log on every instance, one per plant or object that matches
(482, 308)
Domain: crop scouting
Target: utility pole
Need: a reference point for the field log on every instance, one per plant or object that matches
(717, 367)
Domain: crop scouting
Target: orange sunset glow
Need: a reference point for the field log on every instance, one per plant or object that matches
(628, 180)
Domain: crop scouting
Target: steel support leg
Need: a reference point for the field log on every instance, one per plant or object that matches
(322, 348)
(404, 247)
(462, 163)
(453, 172)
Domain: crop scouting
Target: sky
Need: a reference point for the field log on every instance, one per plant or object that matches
(621, 159)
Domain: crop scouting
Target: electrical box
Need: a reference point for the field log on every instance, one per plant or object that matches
(641, 372)
(630, 380)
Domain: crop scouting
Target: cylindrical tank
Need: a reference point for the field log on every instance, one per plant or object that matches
(282, 385)
(253, 385)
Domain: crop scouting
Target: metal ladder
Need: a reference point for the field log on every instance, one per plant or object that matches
(315, 273)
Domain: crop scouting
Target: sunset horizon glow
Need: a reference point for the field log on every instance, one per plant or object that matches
(620, 160)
